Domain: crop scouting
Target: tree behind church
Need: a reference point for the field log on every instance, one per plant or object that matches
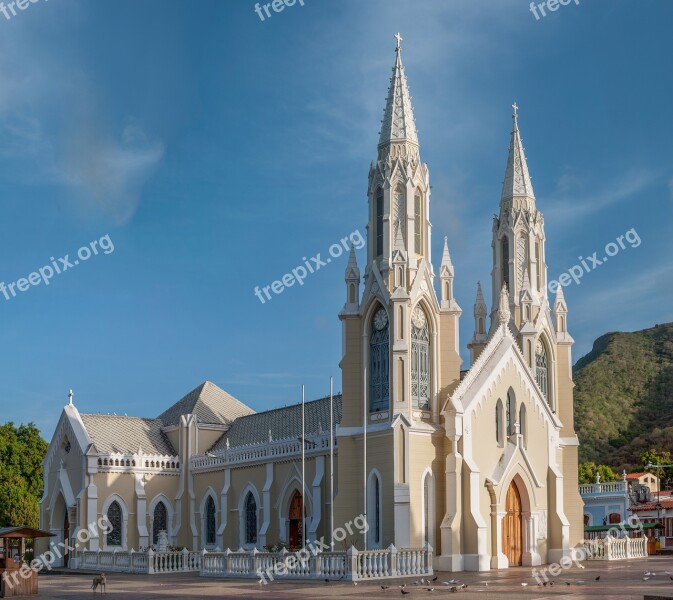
(22, 450)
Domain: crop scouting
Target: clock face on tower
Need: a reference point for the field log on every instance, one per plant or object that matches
(380, 319)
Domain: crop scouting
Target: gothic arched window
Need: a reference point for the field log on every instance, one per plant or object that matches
(418, 223)
(521, 260)
(114, 517)
(379, 222)
(420, 359)
(400, 211)
(379, 362)
(498, 422)
(211, 524)
(522, 424)
(510, 412)
(159, 522)
(374, 509)
(541, 368)
(505, 262)
(250, 519)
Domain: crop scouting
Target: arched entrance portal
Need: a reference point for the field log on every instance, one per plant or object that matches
(296, 520)
(66, 539)
(512, 527)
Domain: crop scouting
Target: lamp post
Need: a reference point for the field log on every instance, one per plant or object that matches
(658, 506)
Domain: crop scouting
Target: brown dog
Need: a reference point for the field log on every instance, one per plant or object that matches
(98, 580)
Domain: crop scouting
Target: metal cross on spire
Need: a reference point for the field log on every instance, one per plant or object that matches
(399, 39)
(515, 116)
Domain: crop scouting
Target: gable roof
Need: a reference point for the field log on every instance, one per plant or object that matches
(125, 435)
(283, 423)
(209, 403)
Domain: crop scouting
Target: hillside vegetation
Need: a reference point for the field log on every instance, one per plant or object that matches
(624, 397)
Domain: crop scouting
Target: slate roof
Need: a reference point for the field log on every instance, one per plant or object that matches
(284, 423)
(113, 433)
(209, 403)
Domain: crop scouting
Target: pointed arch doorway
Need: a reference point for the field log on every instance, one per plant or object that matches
(512, 527)
(296, 520)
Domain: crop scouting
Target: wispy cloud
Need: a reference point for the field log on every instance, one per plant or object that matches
(61, 134)
(572, 200)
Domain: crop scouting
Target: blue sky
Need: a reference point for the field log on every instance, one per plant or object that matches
(217, 150)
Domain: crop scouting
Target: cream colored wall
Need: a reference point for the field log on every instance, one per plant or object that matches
(425, 451)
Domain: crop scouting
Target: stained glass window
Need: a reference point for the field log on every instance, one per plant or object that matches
(211, 523)
(379, 361)
(159, 522)
(114, 517)
(250, 519)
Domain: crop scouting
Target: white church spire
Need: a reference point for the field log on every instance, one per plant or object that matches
(399, 124)
(517, 179)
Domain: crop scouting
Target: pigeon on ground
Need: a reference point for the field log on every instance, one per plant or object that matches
(405, 592)
(435, 579)
(598, 578)
(385, 587)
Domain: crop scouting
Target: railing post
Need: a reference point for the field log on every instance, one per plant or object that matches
(203, 561)
(317, 565)
(352, 555)
(184, 560)
(254, 563)
(393, 560)
(150, 562)
(428, 557)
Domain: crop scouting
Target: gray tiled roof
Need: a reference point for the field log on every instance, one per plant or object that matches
(284, 423)
(209, 403)
(112, 433)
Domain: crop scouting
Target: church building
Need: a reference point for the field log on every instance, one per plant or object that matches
(481, 465)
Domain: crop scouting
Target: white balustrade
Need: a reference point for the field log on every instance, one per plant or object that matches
(615, 548)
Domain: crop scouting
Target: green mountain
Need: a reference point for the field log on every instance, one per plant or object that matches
(624, 396)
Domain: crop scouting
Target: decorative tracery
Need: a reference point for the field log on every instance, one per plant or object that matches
(420, 360)
(541, 368)
(114, 517)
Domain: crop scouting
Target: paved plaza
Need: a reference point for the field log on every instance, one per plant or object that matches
(619, 580)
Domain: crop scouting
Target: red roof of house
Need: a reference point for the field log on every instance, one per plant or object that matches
(638, 475)
(666, 502)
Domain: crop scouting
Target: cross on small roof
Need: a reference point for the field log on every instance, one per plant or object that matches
(70, 397)
(399, 39)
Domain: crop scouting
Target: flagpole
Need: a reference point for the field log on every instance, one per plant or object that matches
(364, 451)
(303, 474)
(331, 463)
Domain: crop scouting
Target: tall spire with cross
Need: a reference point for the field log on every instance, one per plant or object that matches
(517, 179)
(398, 118)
